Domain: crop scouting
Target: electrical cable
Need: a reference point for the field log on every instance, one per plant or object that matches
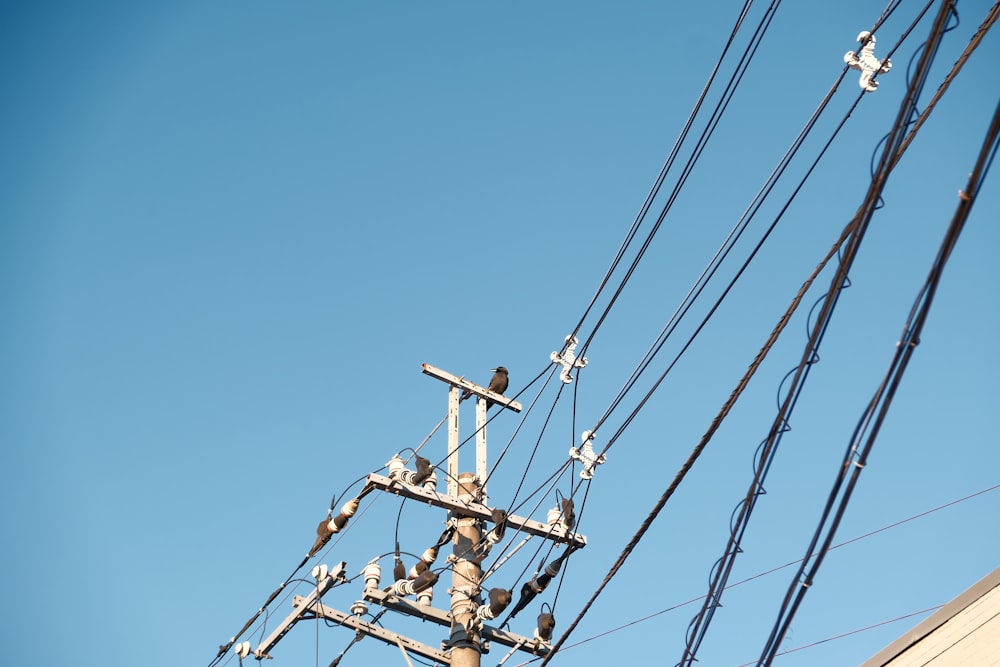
(700, 145)
(658, 183)
(271, 598)
(736, 233)
(850, 633)
(716, 116)
(849, 234)
(432, 433)
(861, 444)
(856, 229)
(991, 18)
(778, 568)
(710, 270)
(520, 425)
(741, 225)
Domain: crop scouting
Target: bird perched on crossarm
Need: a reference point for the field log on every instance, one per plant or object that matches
(498, 384)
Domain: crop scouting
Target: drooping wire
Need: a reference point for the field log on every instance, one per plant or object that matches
(856, 228)
(914, 113)
(866, 432)
(991, 18)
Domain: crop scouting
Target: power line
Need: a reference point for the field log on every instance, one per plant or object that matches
(868, 428)
(778, 568)
(851, 632)
(854, 234)
(661, 177)
(848, 235)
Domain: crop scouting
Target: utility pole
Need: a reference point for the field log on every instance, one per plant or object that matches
(469, 634)
(466, 577)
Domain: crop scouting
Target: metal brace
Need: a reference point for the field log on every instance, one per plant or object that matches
(587, 456)
(568, 359)
(866, 62)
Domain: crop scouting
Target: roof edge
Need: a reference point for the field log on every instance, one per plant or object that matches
(935, 620)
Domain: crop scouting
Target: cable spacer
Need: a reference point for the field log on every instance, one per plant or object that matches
(587, 456)
(568, 359)
(866, 62)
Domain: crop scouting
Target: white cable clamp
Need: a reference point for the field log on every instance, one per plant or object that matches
(866, 62)
(587, 456)
(568, 359)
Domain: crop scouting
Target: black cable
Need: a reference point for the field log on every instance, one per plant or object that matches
(861, 445)
(517, 430)
(668, 493)
(854, 234)
(658, 183)
(700, 145)
(735, 234)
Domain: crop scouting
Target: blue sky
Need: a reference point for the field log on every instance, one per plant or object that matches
(232, 232)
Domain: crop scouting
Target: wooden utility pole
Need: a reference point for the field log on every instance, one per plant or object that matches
(465, 641)
(465, 502)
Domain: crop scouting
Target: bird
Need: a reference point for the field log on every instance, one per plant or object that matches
(498, 384)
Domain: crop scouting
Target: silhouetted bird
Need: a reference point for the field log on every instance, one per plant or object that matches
(498, 384)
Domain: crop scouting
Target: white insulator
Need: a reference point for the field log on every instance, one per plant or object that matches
(359, 608)
(320, 572)
(350, 507)
(426, 560)
(425, 597)
(430, 484)
(242, 649)
(373, 576)
(554, 516)
(403, 587)
(346, 512)
(396, 467)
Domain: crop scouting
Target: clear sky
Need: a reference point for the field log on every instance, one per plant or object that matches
(232, 232)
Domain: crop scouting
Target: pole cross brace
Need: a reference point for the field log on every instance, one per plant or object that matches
(866, 62)
(568, 359)
(326, 581)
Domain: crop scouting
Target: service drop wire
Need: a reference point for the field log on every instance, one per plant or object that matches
(871, 421)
